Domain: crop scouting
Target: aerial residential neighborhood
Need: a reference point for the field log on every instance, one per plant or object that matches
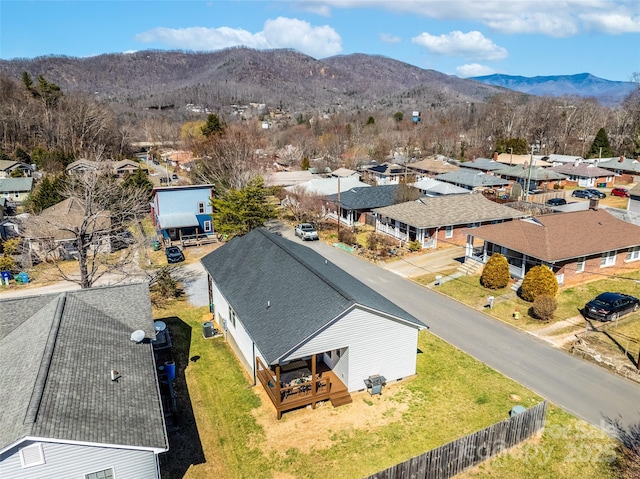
(254, 262)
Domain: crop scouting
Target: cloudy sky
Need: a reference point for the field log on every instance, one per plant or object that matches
(456, 37)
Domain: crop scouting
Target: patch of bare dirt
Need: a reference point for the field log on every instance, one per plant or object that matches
(307, 429)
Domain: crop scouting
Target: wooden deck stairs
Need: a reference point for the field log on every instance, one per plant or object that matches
(340, 398)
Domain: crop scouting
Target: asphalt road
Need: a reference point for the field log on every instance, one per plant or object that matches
(585, 390)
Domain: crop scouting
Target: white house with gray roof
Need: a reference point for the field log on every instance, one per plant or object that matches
(80, 399)
(301, 326)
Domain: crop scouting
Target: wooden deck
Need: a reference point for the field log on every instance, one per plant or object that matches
(323, 386)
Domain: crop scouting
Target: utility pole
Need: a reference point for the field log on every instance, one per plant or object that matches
(528, 181)
(339, 210)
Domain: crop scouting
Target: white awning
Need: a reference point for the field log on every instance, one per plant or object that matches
(178, 220)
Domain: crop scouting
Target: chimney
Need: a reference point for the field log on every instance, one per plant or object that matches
(495, 156)
(473, 159)
(593, 203)
(621, 160)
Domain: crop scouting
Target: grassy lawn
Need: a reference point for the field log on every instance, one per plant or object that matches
(622, 338)
(227, 428)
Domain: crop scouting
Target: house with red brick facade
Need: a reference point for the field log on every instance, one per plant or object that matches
(585, 175)
(578, 246)
(441, 218)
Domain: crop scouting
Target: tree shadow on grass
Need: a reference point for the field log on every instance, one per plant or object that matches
(185, 448)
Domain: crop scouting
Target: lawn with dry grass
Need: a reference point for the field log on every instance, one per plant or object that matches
(228, 429)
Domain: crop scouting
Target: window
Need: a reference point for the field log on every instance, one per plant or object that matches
(608, 259)
(473, 225)
(449, 232)
(32, 455)
(633, 254)
(104, 474)
(580, 265)
(201, 208)
(232, 316)
(207, 226)
(16, 194)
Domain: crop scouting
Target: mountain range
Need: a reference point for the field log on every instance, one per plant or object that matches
(607, 92)
(289, 79)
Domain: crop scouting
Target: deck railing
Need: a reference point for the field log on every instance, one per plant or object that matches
(287, 397)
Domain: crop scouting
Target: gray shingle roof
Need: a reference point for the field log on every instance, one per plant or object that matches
(471, 178)
(58, 351)
(583, 170)
(535, 173)
(449, 210)
(9, 185)
(366, 198)
(284, 292)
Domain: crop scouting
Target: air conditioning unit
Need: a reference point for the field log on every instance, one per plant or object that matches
(207, 329)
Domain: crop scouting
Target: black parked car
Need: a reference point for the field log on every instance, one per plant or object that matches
(582, 194)
(610, 306)
(556, 202)
(174, 255)
(596, 193)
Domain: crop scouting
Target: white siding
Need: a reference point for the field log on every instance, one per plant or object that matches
(66, 461)
(237, 336)
(375, 345)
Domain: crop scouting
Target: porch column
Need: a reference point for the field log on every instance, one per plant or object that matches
(468, 249)
(524, 262)
(278, 396)
(314, 379)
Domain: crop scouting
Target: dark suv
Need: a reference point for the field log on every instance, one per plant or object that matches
(596, 193)
(581, 194)
(610, 306)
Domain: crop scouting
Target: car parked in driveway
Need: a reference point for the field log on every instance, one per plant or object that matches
(621, 192)
(596, 193)
(610, 306)
(174, 254)
(581, 194)
(306, 231)
(556, 202)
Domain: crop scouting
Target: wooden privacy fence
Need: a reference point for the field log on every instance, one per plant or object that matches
(453, 458)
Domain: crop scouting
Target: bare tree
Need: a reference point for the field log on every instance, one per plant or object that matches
(94, 217)
(229, 160)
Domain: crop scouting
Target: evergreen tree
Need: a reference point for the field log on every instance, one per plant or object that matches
(600, 147)
(213, 127)
(139, 179)
(239, 211)
(47, 192)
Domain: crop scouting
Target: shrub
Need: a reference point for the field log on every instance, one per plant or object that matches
(539, 280)
(373, 241)
(346, 236)
(544, 306)
(415, 246)
(495, 274)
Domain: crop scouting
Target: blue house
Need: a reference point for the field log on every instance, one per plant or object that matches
(183, 213)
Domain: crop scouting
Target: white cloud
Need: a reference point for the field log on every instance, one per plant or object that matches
(387, 38)
(282, 32)
(613, 23)
(318, 42)
(553, 18)
(472, 45)
(474, 70)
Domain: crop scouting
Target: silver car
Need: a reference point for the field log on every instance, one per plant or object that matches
(306, 231)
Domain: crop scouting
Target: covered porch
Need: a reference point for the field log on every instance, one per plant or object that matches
(301, 383)
(185, 229)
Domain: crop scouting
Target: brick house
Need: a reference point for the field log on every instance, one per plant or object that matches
(577, 246)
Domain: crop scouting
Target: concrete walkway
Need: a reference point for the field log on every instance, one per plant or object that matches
(412, 265)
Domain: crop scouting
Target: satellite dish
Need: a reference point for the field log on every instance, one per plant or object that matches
(159, 326)
(137, 335)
